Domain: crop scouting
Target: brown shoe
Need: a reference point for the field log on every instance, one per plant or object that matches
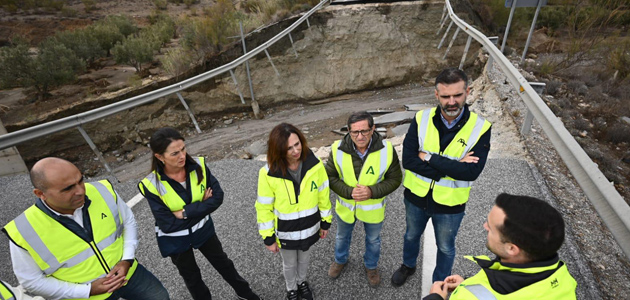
(373, 277)
(335, 270)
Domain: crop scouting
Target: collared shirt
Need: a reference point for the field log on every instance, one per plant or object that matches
(33, 279)
(362, 155)
(448, 124)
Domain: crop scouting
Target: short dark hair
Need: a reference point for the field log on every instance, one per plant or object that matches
(531, 224)
(360, 116)
(450, 76)
(277, 147)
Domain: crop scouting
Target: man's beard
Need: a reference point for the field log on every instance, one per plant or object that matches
(453, 113)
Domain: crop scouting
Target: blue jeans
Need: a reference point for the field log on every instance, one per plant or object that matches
(143, 285)
(372, 243)
(445, 227)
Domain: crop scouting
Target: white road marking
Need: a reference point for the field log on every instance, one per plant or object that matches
(429, 254)
(137, 198)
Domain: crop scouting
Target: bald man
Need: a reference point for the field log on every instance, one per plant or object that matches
(78, 240)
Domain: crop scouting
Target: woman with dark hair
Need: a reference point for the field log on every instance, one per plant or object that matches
(182, 193)
(293, 206)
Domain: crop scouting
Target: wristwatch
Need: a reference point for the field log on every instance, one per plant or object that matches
(427, 157)
(184, 214)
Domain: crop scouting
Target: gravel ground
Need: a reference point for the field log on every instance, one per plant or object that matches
(509, 169)
(609, 266)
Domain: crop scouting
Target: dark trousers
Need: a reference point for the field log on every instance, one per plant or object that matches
(213, 251)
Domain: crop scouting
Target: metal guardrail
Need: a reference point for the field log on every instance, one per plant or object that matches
(608, 203)
(76, 121)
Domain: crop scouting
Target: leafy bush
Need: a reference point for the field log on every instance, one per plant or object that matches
(107, 35)
(135, 51)
(124, 24)
(89, 5)
(82, 42)
(160, 4)
(52, 66)
(618, 133)
(176, 61)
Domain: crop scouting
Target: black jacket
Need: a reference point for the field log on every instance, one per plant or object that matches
(439, 166)
(167, 222)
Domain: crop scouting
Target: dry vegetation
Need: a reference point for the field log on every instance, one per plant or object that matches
(585, 63)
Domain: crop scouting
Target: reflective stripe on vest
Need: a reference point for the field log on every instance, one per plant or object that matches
(560, 285)
(62, 254)
(5, 292)
(446, 191)
(276, 202)
(480, 291)
(171, 199)
(183, 232)
(371, 210)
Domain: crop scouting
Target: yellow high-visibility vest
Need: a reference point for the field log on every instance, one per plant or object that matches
(447, 191)
(65, 256)
(374, 168)
(277, 203)
(5, 292)
(559, 286)
(163, 189)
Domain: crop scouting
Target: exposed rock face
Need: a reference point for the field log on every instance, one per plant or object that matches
(346, 49)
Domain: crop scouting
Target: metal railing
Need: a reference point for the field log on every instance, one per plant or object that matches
(76, 121)
(608, 203)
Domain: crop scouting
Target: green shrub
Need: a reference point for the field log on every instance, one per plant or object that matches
(160, 4)
(89, 5)
(52, 66)
(124, 24)
(176, 61)
(107, 35)
(135, 51)
(69, 12)
(84, 44)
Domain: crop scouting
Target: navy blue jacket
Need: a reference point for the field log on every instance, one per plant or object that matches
(439, 166)
(167, 222)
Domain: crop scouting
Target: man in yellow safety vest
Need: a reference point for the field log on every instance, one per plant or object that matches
(78, 240)
(362, 169)
(525, 234)
(444, 151)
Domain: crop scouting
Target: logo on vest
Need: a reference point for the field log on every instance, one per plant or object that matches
(463, 142)
(203, 188)
(370, 170)
(103, 216)
(554, 283)
(313, 186)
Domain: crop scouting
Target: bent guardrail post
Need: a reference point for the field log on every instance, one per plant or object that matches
(442, 20)
(461, 63)
(249, 76)
(190, 113)
(445, 34)
(292, 45)
(451, 43)
(608, 203)
(509, 23)
(531, 30)
(238, 89)
(494, 40)
(271, 61)
(96, 151)
(539, 87)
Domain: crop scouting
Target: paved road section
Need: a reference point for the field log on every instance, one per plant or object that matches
(235, 223)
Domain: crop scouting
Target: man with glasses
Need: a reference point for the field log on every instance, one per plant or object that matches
(444, 151)
(362, 169)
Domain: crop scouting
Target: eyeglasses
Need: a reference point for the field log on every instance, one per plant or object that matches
(362, 132)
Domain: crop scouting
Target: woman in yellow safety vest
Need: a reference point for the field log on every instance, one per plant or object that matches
(293, 206)
(182, 193)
